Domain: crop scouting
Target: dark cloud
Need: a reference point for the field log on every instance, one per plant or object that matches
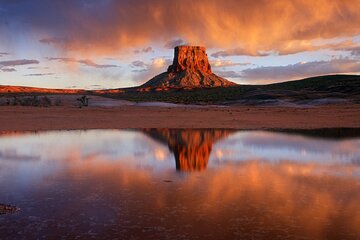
(8, 66)
(140, 70)
(139, 64)
(60, 42)
(5, 69)
(144, 50)
(175, 42)
(229, 74)
(13, 63)
(355, 51)
(3, 54)
(299, 70)
(86, 62)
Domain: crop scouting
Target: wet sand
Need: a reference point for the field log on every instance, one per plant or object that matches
(19, 118)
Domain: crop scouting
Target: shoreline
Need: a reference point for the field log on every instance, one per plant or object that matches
(19, 118)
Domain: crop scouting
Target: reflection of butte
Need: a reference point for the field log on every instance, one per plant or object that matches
(191, 147)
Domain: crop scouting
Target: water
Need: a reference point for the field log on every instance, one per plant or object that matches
(181, 184)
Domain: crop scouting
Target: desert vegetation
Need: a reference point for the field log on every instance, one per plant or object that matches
(35, 101)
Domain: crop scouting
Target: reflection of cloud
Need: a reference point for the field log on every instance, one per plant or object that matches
(270, 146)
(160, 154)
(13, 155)
(255, 199)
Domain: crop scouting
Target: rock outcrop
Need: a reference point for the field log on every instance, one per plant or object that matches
(190, 69)
(6, 209)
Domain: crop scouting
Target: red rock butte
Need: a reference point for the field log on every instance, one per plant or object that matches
(190, 69)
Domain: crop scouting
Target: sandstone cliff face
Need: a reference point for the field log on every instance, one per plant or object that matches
(190, 58)
(190, 69)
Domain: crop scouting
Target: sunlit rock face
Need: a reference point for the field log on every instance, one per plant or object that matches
(191, 59)
(190, 69)
(191, 148)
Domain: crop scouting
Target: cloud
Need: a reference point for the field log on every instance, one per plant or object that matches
(144, 71)
(107, 26)
(4, 65)
(8, 69)
(173, 43)
(12, 63)
(138, 64)
(54, 40)
(144, 50)
(354, 50)
(38, 74)
(226, 63)
(239, 52)
(228, 74)
(90, 63)
(300, 70)
(86, 62)
(3, 54)
(290, 47)
(38, 68)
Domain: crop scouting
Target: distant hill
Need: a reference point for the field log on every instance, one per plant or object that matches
(333, 83)
(315, 90)
(27, 90)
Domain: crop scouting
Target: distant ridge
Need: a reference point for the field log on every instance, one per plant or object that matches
(321, 89)
(22, 89)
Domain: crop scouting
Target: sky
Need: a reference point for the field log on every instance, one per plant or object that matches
(96, 44)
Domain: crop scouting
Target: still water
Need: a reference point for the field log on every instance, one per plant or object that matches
(180, 184)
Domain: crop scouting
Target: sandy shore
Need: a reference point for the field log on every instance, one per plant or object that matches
(14, 118)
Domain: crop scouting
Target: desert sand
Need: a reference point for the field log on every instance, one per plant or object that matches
(111, 114)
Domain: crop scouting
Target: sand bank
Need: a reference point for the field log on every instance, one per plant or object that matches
(13, 118)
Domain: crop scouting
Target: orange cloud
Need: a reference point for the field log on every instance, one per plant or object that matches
(282, 25)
